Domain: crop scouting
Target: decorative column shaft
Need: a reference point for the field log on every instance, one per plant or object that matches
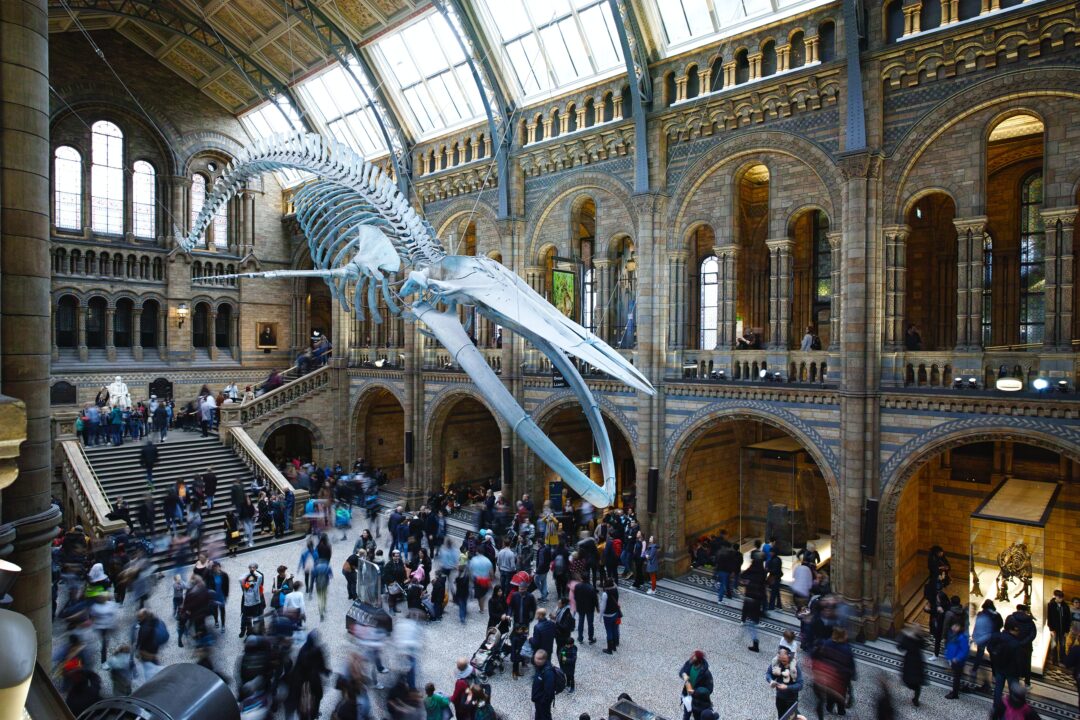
(895, 284)
(728, 261)
(912, 18)
(811, 49)
(211, 335)
(836, 309)
(969, 282)
(680, 89)
(602, 282)
(1058, 224)
(780, 292)
(729, 73)
(755, 65)
(783, 57)
(136, 334)
(677, 307)
(110, 333)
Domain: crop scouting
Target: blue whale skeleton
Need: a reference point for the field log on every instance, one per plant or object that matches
(360, 229)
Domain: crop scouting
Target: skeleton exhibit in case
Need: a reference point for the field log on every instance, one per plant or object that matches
(361, 231)
(1008, 541)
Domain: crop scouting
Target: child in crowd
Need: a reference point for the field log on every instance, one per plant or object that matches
(568, 661)
(790, 642)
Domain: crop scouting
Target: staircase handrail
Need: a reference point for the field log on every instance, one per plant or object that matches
(255, 459)
(84, 486)
(290, 392)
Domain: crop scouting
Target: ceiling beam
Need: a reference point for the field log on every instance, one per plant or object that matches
(340, 47)
(637, 70)
(174, 20)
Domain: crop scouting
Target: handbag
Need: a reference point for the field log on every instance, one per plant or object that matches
(395, 588)
(527, 650)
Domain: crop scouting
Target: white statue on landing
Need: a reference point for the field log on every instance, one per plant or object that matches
(119, 395)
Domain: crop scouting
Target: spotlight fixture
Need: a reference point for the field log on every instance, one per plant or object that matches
(380, 362)
(958, 383)
(1040, 384)
(763, 374)
(719, 375)
(776, 377)
(973, 383)
(1063, 386)
(1009, 384)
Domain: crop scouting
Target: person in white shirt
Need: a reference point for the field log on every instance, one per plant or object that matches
(294, 606)
(801, 583)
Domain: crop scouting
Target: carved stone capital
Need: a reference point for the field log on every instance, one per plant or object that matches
(835, 238)
(1066, 216)
(896, 233)
(975, 225)
(723, 251)
(860, 165)
(784, 244)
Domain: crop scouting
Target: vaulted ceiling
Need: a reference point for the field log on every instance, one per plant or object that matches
(230, 48)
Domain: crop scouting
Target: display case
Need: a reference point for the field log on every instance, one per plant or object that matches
(1008, 543)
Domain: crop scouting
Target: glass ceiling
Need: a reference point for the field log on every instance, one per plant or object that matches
(425, 69)
(549, 45)
(338, 105)
(267, 120)
(689, 23)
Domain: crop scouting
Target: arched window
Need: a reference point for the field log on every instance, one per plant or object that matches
(148, 324)
(797, 50)
(67, 335)
(716, 74)
(768, 59)
(742, 67)
(827, 41)
(1032, 260)
(894, 21)
(95, 323)
(200, 326)
(198, 196)
(709, 277)
(223, 327)
(122, 329)
(107, 178)
(67, 188)
(143, 199)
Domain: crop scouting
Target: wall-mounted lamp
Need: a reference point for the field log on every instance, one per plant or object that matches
(1009, 384)
(182, 313)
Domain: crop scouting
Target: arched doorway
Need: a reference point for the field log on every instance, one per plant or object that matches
(976, 500)
(320, 316)
(467, 447)
(380, 433)
(569, 430)
(753, 481)
(288, 442)
(200, 327)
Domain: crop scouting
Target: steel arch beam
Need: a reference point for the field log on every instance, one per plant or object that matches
(489, 85)
(341, 47)
(176, 20)
(637, 70)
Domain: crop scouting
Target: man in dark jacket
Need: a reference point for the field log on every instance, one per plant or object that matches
(393, 521)
(522, 607)
(564, 622)
(148, 457)
(544, 634)
(1025, 624)
(209, 481)
(1058, 619)
(586, 600)
(1006, 657)
(543, 688)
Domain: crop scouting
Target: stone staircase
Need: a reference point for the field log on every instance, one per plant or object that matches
(182, 456)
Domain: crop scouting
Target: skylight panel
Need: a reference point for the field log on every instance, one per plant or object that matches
(553, 44)
(689, 23)
(273, 119)
(342, 103)
(424, 66)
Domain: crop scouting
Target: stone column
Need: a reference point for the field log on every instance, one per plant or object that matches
(729, 73)
(531, 136)
(617, 108)
(25, 304)
(811, 48)
(136, 333)
(162, 332)
(680, 88)
(950, 11)
(912, 18)
(1058, 224)
(179, 196)
(677, 300)
(580, 112)
(783, 57)
(211, 334)
(969, 282)
(704, 79)
(602, 281)
(234, 335)
(245, 241)
(80, 330)
(836, 309)
(755, 65)
(780, 292)
(895, 284)
(110, 333)
(728, 260)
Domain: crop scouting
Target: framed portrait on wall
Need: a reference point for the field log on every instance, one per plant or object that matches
(266, 335)
(562, 292)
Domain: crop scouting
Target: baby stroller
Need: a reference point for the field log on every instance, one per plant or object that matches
(488, 658)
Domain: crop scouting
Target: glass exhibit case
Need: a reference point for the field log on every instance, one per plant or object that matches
(1008, 544)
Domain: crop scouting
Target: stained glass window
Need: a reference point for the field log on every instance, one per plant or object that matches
(1032, 260)
(67, 188)
(709, 275)
(550, 44)
(143, 199)
(107, 178)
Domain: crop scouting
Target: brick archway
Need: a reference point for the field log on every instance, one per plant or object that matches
(317, 443)
(438, 415)
(374, 438)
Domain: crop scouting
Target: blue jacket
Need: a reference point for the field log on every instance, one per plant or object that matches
(957, 648)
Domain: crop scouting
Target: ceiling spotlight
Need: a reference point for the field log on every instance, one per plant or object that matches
(1063, 386)
(763, 374)
(958, 382)
(1040, 384)
(973, 383)
(1009, 384)
(719, 375)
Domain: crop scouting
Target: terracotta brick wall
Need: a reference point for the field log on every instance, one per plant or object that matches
(473, 435)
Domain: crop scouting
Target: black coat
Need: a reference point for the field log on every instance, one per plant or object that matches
(1028, 631)
(1006, 654)
(586, 599)
(209, 484)
(522, 608)
(148, 455)
(704, 677)
(1058, 617)
(914, 668)
(544, 636)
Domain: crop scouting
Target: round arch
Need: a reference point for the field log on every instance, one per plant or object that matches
(292, 436)
(462, 212)
(378, 429)
(600, 187)
(440, 411)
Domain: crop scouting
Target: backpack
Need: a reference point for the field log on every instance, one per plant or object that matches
(161, 634)
(560, 679)
(815, 343)
(564, 620)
